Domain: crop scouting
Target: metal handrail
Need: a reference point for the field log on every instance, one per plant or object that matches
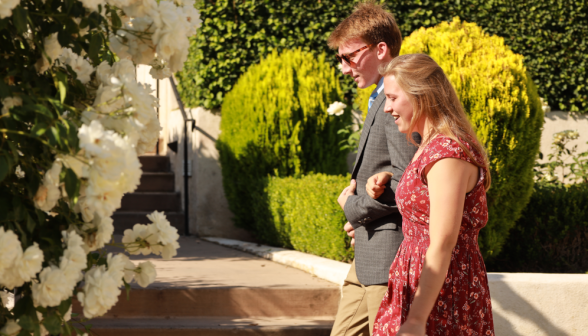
(186, 121)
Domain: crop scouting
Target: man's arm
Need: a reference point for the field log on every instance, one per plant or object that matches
(362, 210)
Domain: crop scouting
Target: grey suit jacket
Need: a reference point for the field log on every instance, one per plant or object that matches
(377, 223)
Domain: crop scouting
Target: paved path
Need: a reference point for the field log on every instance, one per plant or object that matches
(201, 264)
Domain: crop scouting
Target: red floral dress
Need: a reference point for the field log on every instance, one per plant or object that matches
(463, 306)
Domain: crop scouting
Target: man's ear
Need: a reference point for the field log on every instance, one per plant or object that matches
(382, 50)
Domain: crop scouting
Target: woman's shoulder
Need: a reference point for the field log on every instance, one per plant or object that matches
(443, 146)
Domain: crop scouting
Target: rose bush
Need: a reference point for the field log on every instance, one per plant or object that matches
(73, 122)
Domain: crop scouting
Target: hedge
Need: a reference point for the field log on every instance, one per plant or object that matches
(275, 123)
(502, 105)
(551, 34)
(552, 234)
(304, 214)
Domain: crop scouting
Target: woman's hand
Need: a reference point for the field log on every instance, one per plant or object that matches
(410, 328)
(376, 184)
(349, 191)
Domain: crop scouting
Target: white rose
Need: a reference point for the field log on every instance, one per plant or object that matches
(118, 44)
(192, 16)
(124, 70)
(167, 233)
(51, 289)
(67, 315)
(145, 274)
(149, 136)
(116, 267)
(48, 194)
(170, 250)
(10, 102)
(160, 72)
(81, 66)
(76, 163)
(6, 7)
(92, 5)
(11, 328)
(129, 271)
(109, 97)
(135, 238)
(336, 108)
(100, 292)
(19, 172)
(10, 249)
(7, 299)
(30, 263)
(141, 8)
(10, 279)
(53, 49)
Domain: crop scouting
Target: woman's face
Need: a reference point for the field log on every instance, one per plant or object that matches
(397, 104)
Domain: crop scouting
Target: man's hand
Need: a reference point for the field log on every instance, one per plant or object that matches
(350, 232)
(349, 191)
(376, 184)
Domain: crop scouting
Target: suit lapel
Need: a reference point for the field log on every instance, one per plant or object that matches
(367, 125)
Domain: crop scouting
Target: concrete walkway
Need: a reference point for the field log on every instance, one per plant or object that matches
(208, 289)
(202, 264)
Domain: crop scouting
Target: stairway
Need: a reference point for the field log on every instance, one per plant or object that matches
(213, 290)
(156, 191)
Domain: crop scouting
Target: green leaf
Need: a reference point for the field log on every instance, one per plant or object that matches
(31, 224)
(52, 323)
(19, 17)
(116, 22)
(27, 323)
(64, 306)
(72, 185)
(61, 85)
(95, 46)
(4, 167)
(39, 129)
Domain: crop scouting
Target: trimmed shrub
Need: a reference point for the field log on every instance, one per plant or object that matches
(552, 234)
(275, 123)
(305, 214)
(502, 104)
(551, 34)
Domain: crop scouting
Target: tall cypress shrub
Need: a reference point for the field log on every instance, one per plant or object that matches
(502, 103)
(275, 123)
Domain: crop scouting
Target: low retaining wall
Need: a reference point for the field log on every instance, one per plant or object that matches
(523, 304)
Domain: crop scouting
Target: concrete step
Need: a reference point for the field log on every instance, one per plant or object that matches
(154, 163)
(151, 201)
(127, 219)
(157, 182)
(315, 326)
(217, 302)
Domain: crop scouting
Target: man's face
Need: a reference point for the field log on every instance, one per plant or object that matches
(365, 70)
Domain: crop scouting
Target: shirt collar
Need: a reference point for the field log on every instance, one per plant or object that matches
(380, 86)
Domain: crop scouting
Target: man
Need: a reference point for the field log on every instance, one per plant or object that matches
(366, 40)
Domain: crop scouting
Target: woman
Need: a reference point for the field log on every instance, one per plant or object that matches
(437, 283)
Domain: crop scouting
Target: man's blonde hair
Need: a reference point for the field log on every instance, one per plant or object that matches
(370, 22)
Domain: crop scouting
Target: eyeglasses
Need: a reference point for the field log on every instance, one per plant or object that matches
(347, 57)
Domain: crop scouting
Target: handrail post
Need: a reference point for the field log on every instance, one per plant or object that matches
(186, 166)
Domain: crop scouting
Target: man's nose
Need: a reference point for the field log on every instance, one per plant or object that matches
(345, 68)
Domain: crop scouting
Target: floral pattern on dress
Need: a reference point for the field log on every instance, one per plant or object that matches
(463, 306)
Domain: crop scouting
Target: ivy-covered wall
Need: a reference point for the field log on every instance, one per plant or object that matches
(551, 34)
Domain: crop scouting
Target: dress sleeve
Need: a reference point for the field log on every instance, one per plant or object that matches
(441, 147)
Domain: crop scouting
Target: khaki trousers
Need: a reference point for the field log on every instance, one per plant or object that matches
(358, 307)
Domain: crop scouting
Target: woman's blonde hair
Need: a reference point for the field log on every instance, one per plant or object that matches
(433, 97)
